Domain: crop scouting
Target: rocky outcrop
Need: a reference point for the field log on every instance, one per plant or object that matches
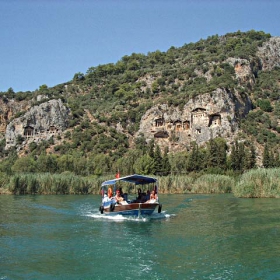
(39, 123)
(243, 70)
(269, 54)
(204, 117)
(8, 109)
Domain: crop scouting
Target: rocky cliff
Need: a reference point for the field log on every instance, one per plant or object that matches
(210, 115)
(38, 123)
(269, 54)
(8, 110)
(202, 118)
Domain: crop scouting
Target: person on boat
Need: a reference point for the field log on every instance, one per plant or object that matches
(121, 192)
(141, 197)
(148, 195)
(153, 197)
(110, 193)
(139, 194)
(118, 197)
(105, 198)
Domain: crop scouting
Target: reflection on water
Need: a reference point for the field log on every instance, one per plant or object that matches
(195, 237)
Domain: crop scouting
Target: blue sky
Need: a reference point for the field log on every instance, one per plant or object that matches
(48, 41)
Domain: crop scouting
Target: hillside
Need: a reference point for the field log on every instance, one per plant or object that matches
(213, 106)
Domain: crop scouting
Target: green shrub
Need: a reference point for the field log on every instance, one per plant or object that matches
(265, 105)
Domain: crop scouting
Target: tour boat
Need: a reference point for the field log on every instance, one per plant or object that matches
(143, 205)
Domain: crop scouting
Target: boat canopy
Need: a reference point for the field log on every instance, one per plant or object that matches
(134, 179)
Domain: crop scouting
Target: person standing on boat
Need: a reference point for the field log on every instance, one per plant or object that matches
(118, 197)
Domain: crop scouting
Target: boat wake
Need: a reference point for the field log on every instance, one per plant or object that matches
(154, 216)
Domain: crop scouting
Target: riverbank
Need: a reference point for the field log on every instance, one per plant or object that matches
(252, 184)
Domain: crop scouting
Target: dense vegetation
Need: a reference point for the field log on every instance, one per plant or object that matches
(120, 93)
(252, 184)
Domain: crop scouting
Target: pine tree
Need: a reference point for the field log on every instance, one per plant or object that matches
(247, 160)
(277, 163)
(166, 167)
(272, 159)
(237, 156)
(253, 156)
(158, 160)
(151, 149)
(217, 156)
(194, 159)
(241, 156)
(234, 156)
(212, 154)
(222, 153)
(266, 157)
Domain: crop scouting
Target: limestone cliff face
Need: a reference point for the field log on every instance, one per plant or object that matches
(209, 115)
(8, 109)
(202, 118)
(269, 54)
(39, 123)
(243, 70)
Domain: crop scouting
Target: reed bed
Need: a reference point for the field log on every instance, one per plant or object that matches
(38, 183)
(212, 183)
(259, 183)
(254, 183)
(208, 183)
(175, 184)
(4, 179)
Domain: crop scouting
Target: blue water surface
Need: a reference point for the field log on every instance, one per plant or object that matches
(195, 237)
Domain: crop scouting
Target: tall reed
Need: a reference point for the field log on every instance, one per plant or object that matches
(45, 183)
(254, 183)
(175, 184)
(208, 183)
(4, 180)
(259, 183)
(212, 183)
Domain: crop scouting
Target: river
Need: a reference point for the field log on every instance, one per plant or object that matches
(195, 237)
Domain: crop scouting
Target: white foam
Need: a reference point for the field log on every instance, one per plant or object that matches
(162, 215)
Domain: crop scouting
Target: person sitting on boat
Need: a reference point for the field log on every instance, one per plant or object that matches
(118, 197)
(105, 198)
(110, 193)
(153, 197)
(148, 195)
(121, 192)
(139, 194)
(141, 197)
